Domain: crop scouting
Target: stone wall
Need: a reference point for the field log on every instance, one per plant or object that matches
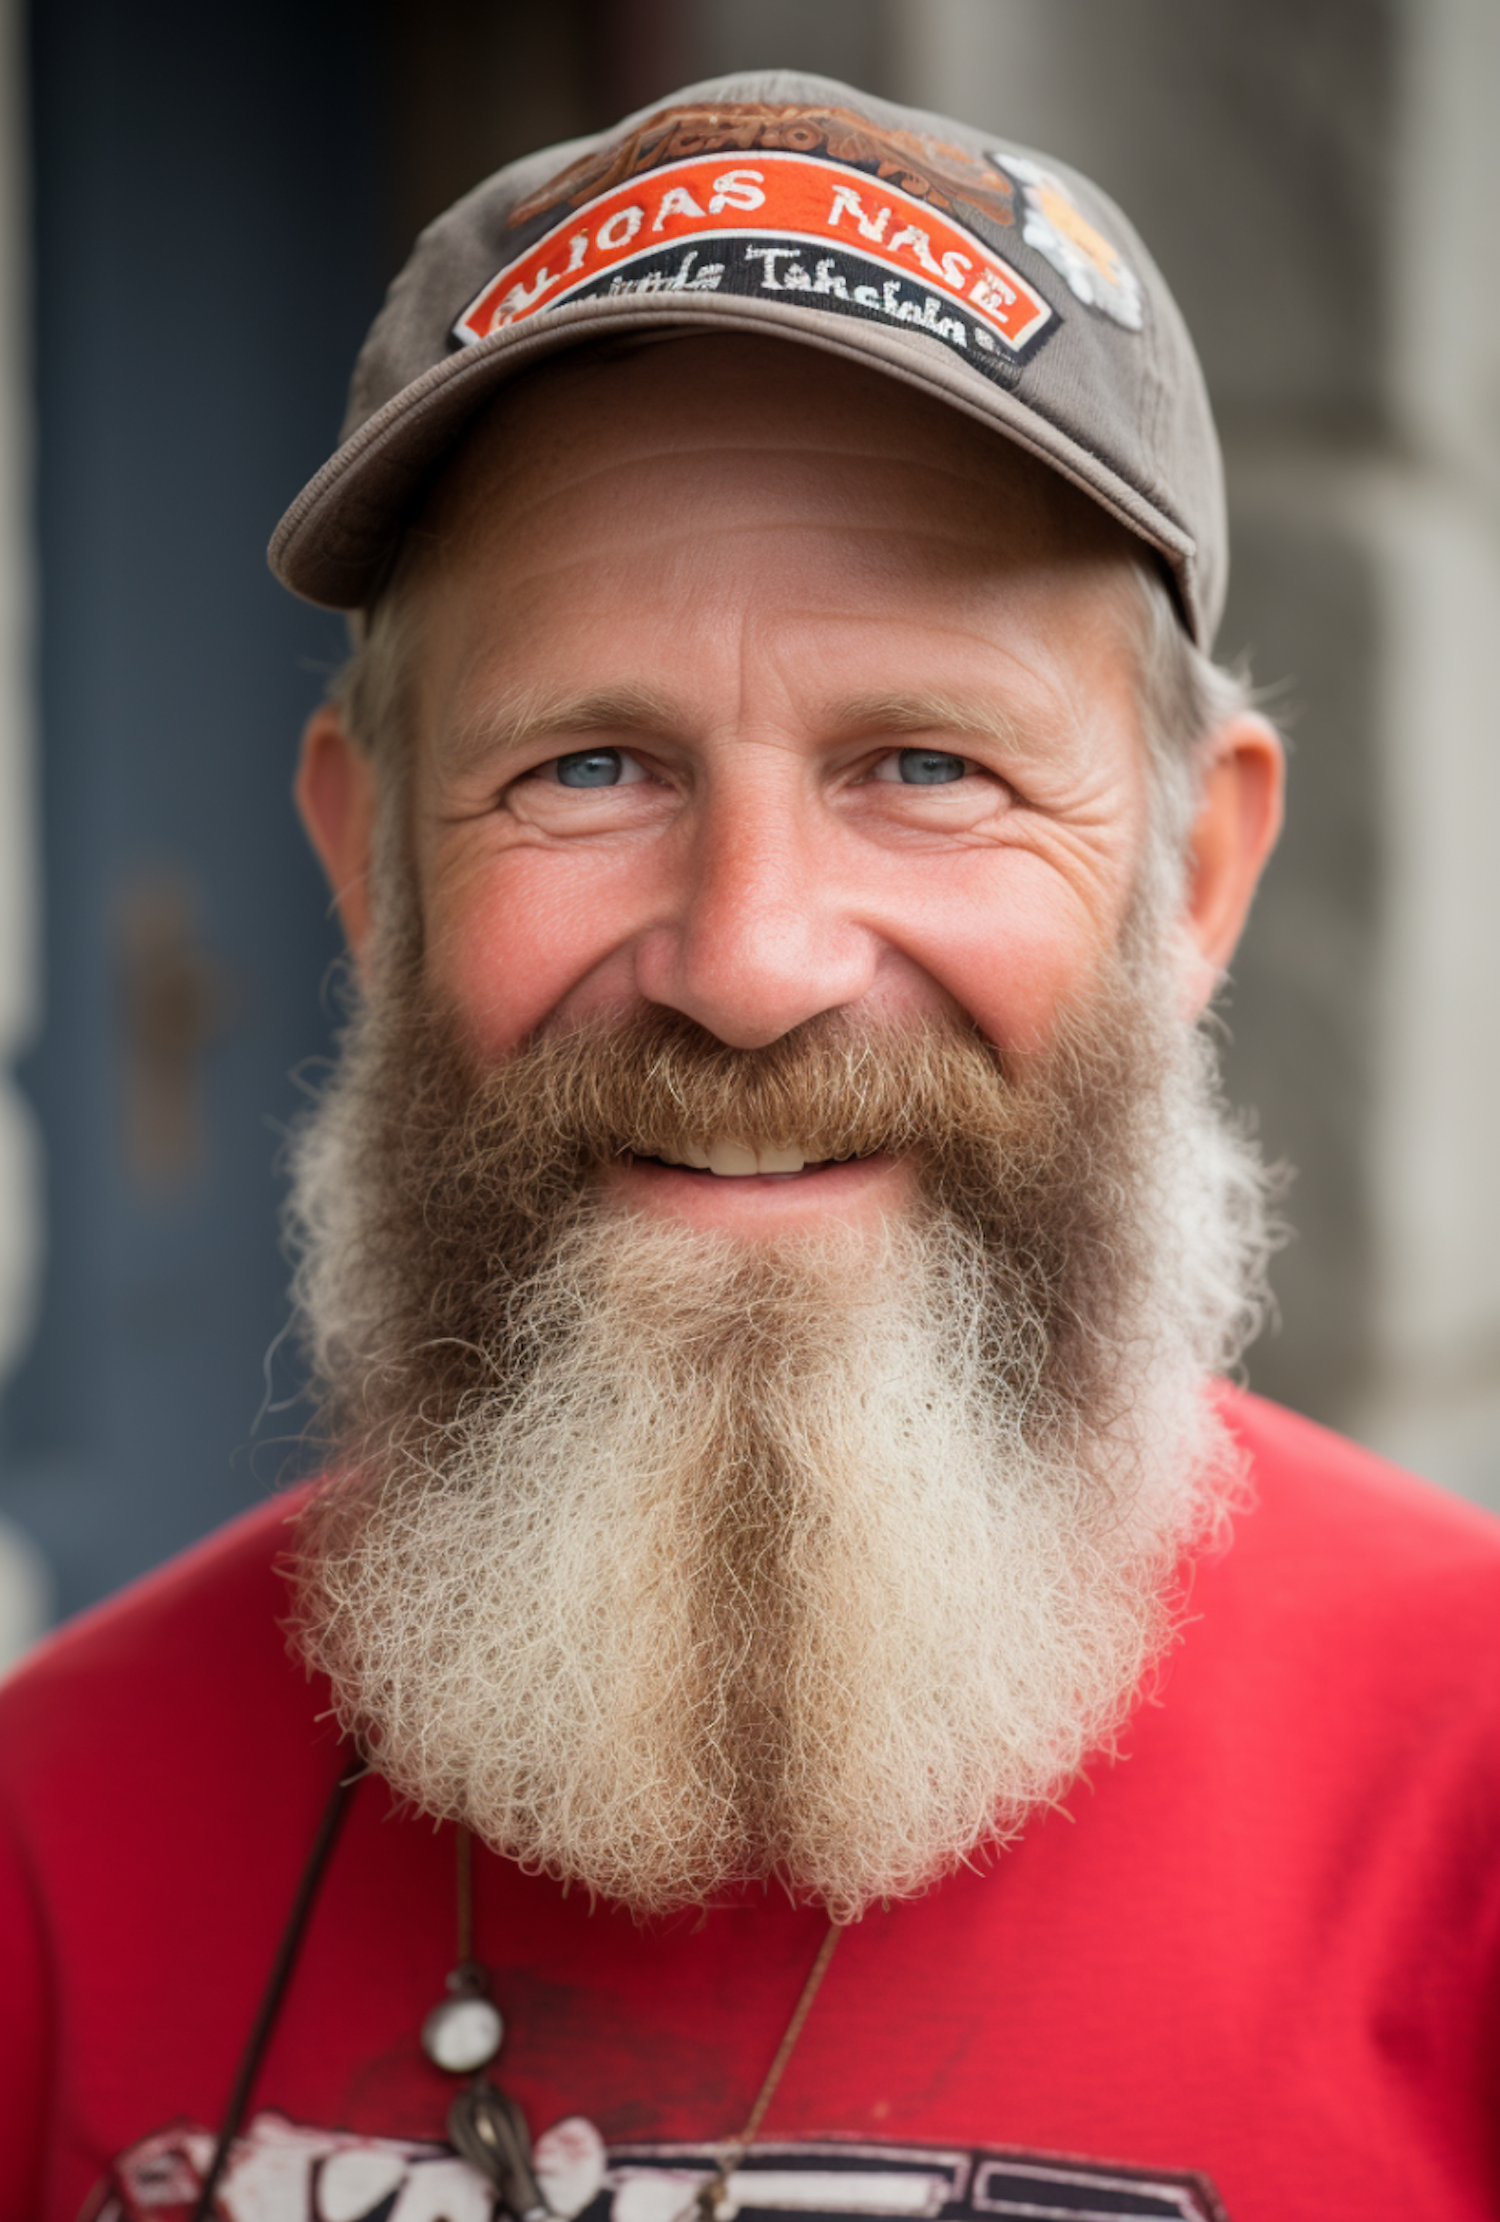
(1315, 179)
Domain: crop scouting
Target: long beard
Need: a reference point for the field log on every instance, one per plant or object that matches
(668, 1561)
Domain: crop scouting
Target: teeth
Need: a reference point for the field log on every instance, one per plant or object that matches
(734, 1160)
(781, 1161)
(731, 1158)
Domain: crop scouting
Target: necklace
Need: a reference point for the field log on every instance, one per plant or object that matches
(463, 2034)
(713, 2196)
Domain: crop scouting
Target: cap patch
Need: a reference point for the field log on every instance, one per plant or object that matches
(934, 170)
(1052, 223)
(810, 232)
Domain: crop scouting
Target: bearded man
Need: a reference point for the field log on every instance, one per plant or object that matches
(769, 1253)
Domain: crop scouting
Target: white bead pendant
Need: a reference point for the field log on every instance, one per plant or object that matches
(463, 2034)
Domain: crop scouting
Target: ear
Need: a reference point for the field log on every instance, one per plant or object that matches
(1234, 831)
(336, 796)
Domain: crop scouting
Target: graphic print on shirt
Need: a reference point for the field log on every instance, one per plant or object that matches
(281, 2172)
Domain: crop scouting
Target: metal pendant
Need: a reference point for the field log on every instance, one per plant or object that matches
(488, 2130)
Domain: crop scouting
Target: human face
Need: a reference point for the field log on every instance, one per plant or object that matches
(754, 686)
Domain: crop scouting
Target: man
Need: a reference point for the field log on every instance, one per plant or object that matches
(766, 1254)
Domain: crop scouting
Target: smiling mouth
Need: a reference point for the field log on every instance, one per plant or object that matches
(737, 1160)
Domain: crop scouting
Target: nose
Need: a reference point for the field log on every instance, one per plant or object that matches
(763, 933)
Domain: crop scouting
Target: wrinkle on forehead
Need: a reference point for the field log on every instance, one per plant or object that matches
(713, 404)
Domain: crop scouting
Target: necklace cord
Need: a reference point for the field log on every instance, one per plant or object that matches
(282, 1968)
(464, 1854)
(730, 2155)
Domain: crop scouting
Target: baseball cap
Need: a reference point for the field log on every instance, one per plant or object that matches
(775, 203)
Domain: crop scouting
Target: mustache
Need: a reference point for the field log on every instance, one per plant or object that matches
(654, 1083)
(655, 1080)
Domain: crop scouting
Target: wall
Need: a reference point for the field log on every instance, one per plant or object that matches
(1315, 178)
(206, 258)
(25, 1583)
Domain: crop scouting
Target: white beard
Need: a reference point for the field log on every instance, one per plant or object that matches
(773, 1561)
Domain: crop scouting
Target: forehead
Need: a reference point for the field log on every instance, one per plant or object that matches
(679, 428)
(748, 529)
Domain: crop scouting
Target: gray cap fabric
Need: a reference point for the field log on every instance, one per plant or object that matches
(780, 204)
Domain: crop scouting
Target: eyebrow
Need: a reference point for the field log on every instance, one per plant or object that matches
(505, 727)
(940, 713)
(517, 721)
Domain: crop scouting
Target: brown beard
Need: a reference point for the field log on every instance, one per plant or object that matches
(669, 1561)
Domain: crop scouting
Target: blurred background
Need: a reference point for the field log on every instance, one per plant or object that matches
(199, 211)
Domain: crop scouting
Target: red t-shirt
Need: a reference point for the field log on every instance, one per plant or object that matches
(1263, 1945)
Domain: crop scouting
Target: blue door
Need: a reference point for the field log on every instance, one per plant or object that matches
(208, 253)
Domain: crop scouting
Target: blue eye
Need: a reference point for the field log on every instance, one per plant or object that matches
(591, 767)
(929, 767)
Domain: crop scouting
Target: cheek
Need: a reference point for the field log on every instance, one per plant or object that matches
(1012, 950)
(514, 941)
